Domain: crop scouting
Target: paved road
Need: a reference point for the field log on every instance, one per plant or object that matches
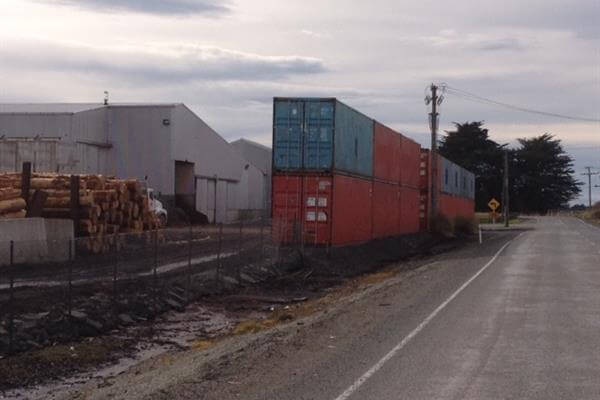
(527, 327)
(520, 321)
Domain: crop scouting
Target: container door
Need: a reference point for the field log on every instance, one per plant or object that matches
(287, 134)
(287, 201)
(318, 135)
(317, 209)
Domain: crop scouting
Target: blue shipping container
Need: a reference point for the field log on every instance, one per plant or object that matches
(321, 135)
(456, 180)
(353, 141)
(287, 134)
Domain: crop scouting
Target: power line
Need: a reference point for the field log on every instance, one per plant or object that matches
(589, 174)
(483, 100)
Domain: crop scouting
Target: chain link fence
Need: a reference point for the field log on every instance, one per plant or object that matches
(57, 291)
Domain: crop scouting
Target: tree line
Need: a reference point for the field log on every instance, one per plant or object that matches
(541, 172)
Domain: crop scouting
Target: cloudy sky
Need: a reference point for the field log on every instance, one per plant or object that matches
(227, 59)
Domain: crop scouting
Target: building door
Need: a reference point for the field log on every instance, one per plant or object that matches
(185, 186)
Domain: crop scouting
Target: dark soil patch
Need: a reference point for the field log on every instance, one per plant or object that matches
(35, 367)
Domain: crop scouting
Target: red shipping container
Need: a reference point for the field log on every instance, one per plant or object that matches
(410, 163)
(352, 210)
(386, 209)
(425, 200)
(317, 204)
(387, 154)
(326, 209)
(287, 201)
(409, 210)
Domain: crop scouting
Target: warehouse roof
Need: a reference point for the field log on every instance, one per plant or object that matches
(67, 108)
(47, 108)
(253, 143)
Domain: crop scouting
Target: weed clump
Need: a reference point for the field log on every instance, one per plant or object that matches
(464, 226)
(442, 225)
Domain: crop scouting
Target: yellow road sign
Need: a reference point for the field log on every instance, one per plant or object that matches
(494, 204)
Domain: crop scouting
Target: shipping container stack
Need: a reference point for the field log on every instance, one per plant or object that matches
(340, 178)
(455, 188)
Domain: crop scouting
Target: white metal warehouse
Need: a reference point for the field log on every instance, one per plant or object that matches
(261, 157)
(179, 155)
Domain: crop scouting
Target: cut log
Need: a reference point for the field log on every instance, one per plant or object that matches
(9, 194)
(94, 182)
(87, 226)
(105, 195)
(14, 215)
(65, 213)
(14, 205)
(65, 202)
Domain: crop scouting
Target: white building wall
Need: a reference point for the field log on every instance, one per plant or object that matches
(142, 145)
(91, 126)
(196, 142)
(237, 188)
(20, 125)
(261, 157)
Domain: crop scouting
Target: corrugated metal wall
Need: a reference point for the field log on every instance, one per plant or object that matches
(288, 120)
(387, 159)
(318, 134)
(20, 125)
(386, 210)
(353, 141)
(321, 135)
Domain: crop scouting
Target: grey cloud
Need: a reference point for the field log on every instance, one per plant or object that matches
(501, 44)
(160, 64)
(160, 7)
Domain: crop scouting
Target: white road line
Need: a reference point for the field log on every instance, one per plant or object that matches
(360, 381)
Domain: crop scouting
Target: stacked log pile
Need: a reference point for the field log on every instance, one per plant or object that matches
(107, 206)
(12, 204)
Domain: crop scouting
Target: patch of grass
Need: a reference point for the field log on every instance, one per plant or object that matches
(254, 326)
(377, 277)
(201, 344)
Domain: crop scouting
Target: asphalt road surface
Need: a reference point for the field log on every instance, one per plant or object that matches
(516, 318)
(526, 327)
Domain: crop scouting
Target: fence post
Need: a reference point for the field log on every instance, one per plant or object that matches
(280, 241)
(70, 295)
(262, 239)
(240, 259)
(11, 318)
(115, 272)
(155, 271)
(189, 269)
(218, 274)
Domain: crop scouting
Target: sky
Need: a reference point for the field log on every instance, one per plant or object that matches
(227, 59)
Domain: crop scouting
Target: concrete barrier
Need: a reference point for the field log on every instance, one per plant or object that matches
(36, 240)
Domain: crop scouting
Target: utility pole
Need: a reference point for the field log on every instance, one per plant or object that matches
(433, 118)
(589, 174)
(505, 194)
